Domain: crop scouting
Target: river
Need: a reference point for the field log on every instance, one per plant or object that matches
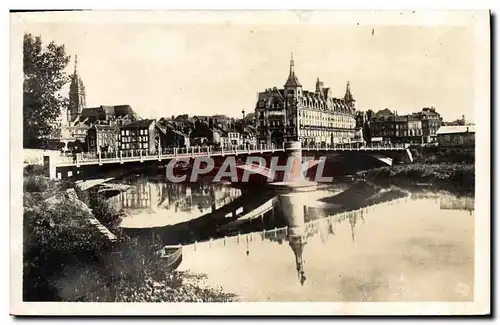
(351, 242)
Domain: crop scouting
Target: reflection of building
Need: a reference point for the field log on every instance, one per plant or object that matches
(294, 213)
(177, 197)
(292, 113)
(137, 197)
(297, 244)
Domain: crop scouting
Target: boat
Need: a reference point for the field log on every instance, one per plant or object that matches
(171, 257)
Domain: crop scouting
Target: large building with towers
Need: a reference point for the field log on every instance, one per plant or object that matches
(292, 113)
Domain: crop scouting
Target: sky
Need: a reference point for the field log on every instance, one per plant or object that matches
(164, 69)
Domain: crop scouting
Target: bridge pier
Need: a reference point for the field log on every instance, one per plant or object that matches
(293, 207)
(293, 150)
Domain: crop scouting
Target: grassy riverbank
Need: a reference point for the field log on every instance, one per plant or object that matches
(440, 155)
(450, 169)
(65, 258)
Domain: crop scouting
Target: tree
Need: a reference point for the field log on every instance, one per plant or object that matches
(44, 77)
(369, 114)
(77, 146)
(367, 132)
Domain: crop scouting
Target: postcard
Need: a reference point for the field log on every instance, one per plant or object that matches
(250, 163)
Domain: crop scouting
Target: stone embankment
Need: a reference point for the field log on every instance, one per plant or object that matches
(70, 195)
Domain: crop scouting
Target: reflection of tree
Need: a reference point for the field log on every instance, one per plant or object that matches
(456, 203)
(353, 218)
(331, 227)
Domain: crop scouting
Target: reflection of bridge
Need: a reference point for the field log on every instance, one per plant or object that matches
(57, 164)
(295, 233)
(293, 215)
(326, 224)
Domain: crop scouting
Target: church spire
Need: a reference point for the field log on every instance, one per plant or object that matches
(348, 96)
(292, 80)
(75, 71)
(77, 98)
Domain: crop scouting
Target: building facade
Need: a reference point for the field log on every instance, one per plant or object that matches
(395, 128)
(175, 139)
(292, 113)
(431, 122)
(456, 135)
(103, 138)
(139, 135)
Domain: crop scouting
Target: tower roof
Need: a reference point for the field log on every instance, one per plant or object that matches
(76, 81)
(292, 80)
(348, 96)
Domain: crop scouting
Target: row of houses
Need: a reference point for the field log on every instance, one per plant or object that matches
(424, 127)
(111, 128)
(151, 134)
(419, 127)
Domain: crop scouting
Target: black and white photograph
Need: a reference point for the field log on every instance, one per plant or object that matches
(169, 159)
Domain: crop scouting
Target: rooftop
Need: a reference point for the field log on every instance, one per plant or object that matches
(141, 124)
(450, 129)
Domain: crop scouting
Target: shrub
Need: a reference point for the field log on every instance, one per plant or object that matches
(455, 176)
(36, 183)
(53, 235)
(32, 170)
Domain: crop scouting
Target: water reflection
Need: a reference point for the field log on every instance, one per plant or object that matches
(400, 250)
(362, 240)
(153, 203)
(456, 203)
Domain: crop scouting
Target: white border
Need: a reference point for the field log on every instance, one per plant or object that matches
(482, 104)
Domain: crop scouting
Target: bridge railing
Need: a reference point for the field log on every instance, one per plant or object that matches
(355, 146)
(194, 151)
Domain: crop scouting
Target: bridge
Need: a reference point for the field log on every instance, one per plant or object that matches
(71, 164)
